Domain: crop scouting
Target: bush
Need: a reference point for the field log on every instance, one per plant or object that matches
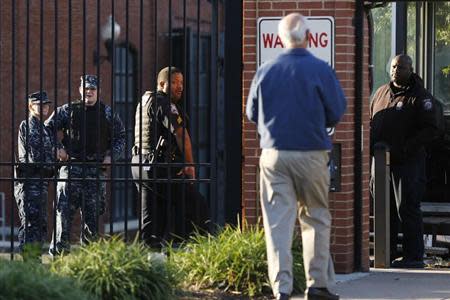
(112, 269)
(19, 280)
(297, 267)
(235, 260)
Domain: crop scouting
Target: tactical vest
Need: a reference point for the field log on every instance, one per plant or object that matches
(89, 128)
(170, 152)
(143, 132)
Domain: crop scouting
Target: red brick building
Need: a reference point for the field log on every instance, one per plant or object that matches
(342, 202)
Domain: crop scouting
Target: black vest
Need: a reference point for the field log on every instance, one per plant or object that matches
(89, 127)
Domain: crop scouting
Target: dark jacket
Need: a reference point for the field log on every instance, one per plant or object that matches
(405, 119)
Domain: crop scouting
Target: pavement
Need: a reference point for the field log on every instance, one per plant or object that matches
(429, 284)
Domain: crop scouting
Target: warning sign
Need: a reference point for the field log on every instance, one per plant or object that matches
(321, 38)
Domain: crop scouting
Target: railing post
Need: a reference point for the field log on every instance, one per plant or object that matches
(382, 206)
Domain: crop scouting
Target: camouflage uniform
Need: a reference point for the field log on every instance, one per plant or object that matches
(79, 193)
(35, 145)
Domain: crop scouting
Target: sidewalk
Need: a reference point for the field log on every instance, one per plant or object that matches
(393, 284)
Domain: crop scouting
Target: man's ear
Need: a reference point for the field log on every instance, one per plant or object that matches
(161, 85)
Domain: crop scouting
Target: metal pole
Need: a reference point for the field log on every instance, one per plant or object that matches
(382, 206)
(357, 166)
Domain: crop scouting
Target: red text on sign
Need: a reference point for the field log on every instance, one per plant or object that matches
(316, 40)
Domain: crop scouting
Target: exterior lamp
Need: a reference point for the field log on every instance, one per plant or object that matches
(107, 31)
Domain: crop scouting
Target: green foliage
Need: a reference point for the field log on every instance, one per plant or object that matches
(298, 269)
(32, 252)
(31, 281)
(446, 71)
(382, 19)
(112, 269)
(442, 21)
(382, 44)
(234, 260)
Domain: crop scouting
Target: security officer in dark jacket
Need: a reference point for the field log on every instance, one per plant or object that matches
(92, 133)
(161, 137)
(35, 158)
(403, 116)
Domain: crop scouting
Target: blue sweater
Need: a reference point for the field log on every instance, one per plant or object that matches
(292, 99)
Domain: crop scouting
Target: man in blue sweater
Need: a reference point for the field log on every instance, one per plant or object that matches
(293, 99)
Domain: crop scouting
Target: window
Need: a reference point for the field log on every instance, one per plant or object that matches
(382, 43)
(411, 33)
(441, 67)
(124, 100)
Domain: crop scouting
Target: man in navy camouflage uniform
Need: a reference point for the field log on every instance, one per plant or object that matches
(92, 134)
(35, 158)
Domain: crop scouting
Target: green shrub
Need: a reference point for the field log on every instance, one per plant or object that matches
(234, 260)
(112, 269)
(19, 280)
(297, 267)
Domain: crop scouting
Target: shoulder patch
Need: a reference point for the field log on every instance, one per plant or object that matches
(427, 104)
(179, 120)
(174, 109)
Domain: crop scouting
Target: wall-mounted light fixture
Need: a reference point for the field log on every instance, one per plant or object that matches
(106, 34)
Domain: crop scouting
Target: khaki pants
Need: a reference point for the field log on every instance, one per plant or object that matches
(292, 180)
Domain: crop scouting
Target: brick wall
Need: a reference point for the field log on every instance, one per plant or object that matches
(341, 203)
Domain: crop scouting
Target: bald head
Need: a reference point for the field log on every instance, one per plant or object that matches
(401, 70)
(293, 31)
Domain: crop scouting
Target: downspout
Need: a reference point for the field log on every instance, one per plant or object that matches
(357, 165)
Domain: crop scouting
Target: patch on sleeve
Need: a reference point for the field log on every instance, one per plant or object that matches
(179, 120)
(427, 104)
(174, 109)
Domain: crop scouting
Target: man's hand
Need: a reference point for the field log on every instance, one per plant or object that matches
(62, 154)
(189, 171)
(107, 162)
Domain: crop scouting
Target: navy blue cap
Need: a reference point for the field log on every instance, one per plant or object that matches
(38, 97)
(90, 81)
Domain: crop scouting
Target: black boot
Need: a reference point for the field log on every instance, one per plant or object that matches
(315, 293)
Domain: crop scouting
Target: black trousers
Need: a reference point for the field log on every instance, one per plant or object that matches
(170, 211)
(407, 190)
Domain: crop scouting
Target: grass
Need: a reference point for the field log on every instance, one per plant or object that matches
(232, 261)
(112, 269)
(32, 281)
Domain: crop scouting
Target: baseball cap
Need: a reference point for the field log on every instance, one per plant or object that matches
(90, 81)
(39, 97)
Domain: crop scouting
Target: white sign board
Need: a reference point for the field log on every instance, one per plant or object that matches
(321, 38)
